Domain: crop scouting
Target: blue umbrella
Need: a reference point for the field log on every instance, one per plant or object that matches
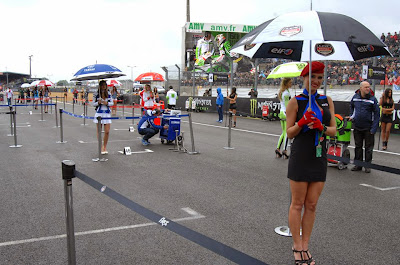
(97, 71)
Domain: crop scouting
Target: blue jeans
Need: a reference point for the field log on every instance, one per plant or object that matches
(148, 133)
(9, 101)
(220, 114)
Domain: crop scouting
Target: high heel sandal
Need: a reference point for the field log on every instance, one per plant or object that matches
(278, 153)
(285, 155)
(298, 261)
(384, 146)
(309, 259)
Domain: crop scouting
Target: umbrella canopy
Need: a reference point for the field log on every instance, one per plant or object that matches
(97, 71)
(42, 83)
(150, 76)
(113, 82)
(292, 69)
(329, 36)
(25, 85)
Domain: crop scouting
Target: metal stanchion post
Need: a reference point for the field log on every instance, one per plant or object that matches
(73, 105)
(193, 152)
(99, 138)
(51, 106)
(84, 112)
(68, 173)
(11, 122)
(41, 111)
(229, 132)
(176, 148)
(14, 114)
(123, 108)
(55, 111)
(61, 129)
(133, 113)
(64, 101)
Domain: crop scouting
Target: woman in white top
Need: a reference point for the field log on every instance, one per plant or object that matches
(103, 101)
(284, 97)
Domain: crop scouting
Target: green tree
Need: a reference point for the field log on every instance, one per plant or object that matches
(62, 83)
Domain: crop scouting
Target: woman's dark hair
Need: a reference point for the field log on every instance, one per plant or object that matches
(386, 95)
(103, 93)
(233, 91)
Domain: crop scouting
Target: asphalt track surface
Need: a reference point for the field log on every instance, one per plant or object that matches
(237, 197)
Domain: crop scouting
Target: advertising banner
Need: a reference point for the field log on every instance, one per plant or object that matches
(207, 47)
(371, 72)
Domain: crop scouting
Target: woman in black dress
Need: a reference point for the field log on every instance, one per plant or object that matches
(387, 104)
(232, 104)
(307, 163)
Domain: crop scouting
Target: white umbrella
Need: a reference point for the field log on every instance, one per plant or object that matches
(291, 69)
(311, 35)
(25, 85)
(113, 82)
(42, 83)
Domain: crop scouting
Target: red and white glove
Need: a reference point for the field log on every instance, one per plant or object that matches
(306, 119)
(318, 125)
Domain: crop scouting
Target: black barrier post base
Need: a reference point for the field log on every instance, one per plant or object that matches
(68, 172)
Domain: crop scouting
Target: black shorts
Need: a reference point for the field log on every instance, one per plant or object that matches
(387, 118)
(232, 106)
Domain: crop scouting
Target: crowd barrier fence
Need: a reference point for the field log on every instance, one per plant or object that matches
(69, 172)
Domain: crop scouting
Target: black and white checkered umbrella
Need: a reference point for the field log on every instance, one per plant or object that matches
(329, 36)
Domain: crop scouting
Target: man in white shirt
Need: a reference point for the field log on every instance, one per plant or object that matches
(9, 94)
(172, 96)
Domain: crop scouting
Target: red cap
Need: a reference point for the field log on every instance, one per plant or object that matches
(316, 67)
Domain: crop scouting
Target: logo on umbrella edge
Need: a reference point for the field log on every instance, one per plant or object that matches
(324, 49)
(290, 31)
(249, 46)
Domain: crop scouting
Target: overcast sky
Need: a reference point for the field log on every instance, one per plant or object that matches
(66, 35)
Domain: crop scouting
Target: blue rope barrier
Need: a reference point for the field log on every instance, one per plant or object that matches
(123, 118)
(27, 105)
(77, 116)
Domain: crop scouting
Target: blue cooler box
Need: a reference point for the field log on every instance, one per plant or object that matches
(174, 124)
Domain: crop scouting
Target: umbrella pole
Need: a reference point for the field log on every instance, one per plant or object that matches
(309, 81)
(325, 76)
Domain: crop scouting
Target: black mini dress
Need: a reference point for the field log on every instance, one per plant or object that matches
(304, 165)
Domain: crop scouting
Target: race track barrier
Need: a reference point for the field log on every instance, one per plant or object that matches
(69, 172)
(121, 118)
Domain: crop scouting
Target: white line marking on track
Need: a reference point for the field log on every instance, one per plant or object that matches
(26, 123)
(276, 135)
(236, 129)
(377, 188)
(113, 141)
(139, 152)
(194, 215)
